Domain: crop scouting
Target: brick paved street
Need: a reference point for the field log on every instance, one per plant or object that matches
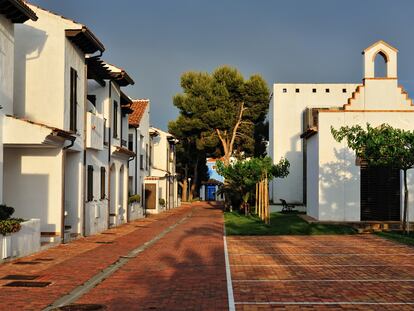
(183, 270)
(321, 273)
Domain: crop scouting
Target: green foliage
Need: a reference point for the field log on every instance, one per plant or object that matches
(6, 212)
(241, 176)
(161, 201)
(379, 146)
(210, 103)
(134, 199)
(9, 226)
(398, 237)
(280, 224)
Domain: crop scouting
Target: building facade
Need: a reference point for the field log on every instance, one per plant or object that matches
(161, 186)
(325, 175)
(139, 143)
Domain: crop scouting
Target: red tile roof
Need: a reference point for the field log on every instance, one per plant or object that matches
(139, 106)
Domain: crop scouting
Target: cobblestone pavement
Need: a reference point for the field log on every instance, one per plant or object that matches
(321, 273)
(182, 270)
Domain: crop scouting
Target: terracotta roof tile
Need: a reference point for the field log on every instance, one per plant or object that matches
(139, 106)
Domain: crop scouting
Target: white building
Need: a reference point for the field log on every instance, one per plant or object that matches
(11, 12)
(139, 143)
(45, 133)
(107, 153)
(161, 187)
(325, 175)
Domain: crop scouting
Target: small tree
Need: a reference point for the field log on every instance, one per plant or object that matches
(242, 176)
(382, 146)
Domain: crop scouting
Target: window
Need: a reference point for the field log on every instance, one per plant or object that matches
(343, 90)
(122, 132)
(103, 175)
(90, 183)
(131, 142)
(284, 90)
(92, 99)
(141, 161)
(313, 90)
(115, 119)
(150, 155)
(105, 138)
(326, 90)
(73, 100)
(146, 157)
(297, 90)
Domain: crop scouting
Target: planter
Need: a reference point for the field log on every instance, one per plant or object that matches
(6, 247)
(22, 243)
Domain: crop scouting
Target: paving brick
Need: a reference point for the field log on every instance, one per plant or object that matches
(321, 273)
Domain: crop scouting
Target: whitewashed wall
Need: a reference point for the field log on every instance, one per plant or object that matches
(339, 183)
(286, 126)
(6, 81)
(39, 57)
(34, 185)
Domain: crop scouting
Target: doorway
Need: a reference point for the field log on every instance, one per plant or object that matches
(380, 194)
(150, 196)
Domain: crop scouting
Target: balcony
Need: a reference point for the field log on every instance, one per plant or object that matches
(94, 131)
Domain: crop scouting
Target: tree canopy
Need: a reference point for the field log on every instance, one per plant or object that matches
(242, 176)
(220, 115)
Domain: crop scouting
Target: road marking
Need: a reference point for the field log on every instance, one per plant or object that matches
(81, 290)
(322, 303)
(303, 265)
(230, 295)
(319, 254)
(321, 280)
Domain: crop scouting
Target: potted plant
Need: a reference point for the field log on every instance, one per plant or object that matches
(134, 200)
(161, 202)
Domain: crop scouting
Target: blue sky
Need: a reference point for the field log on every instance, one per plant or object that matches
(284, 40)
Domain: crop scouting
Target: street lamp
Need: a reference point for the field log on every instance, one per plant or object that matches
(189, 188)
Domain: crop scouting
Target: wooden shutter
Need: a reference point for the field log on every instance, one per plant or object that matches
(73, 100)
(90, 183)
(103, 184)
(380, 194)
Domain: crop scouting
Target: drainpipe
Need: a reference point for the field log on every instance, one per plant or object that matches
(85, 94)
(109, 152)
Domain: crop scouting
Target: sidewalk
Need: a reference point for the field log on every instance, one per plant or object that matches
(183, 270)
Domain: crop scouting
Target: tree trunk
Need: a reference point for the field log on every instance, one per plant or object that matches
(194, 181)
(405, 223)
(184, 190)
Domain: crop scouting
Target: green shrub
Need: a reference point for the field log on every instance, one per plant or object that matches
(5, 212)
(161, 202)
(9, 226)
(134, 198)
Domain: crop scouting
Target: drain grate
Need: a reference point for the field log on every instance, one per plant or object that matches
(104, 242)
(27, 284)
(109, 233)
(81, 307)
(26, 263)
(21, 277)
(45, 259)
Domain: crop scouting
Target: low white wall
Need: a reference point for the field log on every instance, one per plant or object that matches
(135, 211)
(96, 217)
(24, 242)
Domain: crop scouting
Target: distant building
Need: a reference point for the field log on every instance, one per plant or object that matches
(161, 186)
(209, 188)
(324, 175)
(139, 143)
